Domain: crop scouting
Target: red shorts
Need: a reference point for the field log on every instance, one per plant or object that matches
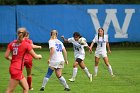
(16, 74)
(28, 63)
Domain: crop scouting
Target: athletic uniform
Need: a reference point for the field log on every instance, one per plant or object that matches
(57, 59)
(28, 58)
(17, 63)
(101, 46)
(79, 51)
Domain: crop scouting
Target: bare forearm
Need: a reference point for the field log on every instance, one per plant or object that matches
(91, 45)
(36, 46)
(108, 47)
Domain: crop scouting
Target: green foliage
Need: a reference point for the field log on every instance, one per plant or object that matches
(35, 2)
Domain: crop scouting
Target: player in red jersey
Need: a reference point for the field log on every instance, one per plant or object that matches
(17, 49)
(28, 61)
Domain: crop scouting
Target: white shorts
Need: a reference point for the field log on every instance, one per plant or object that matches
(57, 64)
(100, 54)
(80, 56)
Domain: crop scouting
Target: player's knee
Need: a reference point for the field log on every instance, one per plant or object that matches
(49, 73)
(79, 60)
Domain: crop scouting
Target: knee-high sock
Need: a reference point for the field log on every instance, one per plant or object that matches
(110, 69)
(95, 70)
(45, 81)
(74, 72)
(29, 81)
(63, 82)
(86, 71)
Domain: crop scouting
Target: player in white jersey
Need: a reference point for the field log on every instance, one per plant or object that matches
(56, 61)
(102, 43)
(79, 54)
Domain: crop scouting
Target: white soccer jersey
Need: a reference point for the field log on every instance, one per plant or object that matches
(57, 56)
(79, 51)
(101, 43)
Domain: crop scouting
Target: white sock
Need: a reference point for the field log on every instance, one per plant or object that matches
(86, 71)
(45, 80)
(95, 70)
(74, 72)
(63, 82)
(110, 69)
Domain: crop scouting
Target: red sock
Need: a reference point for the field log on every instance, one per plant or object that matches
(29, 80)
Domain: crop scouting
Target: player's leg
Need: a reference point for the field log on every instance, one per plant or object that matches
(28, 65)
(83, 66)
(12, 85)
(58, 73)
(46, 78)
(96, 65)
(29, 77)
(108, 65)
(75, 69)
(23, 83)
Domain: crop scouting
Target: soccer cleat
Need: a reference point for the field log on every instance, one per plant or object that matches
(72, 79)
(31, 89)
(112, 75)
(42, 89)
(90, 77)
(67, 89)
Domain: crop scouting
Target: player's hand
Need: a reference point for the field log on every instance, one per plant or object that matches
(62, 37)
(49, 61)
(109, 51)
(39, 56)
(90, 50)
(40, 47)
(67, 62)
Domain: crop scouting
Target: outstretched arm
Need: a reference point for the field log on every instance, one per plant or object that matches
(64, 39)
(34, 55)
(36, 46)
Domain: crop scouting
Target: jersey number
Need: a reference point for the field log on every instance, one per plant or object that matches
(58, 47)
(15, 51)
(76, 48)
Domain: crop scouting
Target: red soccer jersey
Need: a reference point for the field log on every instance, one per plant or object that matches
(27, 55)
(18, 52)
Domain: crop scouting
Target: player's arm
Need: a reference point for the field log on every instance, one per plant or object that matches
(64, 39)
(65, 55)
(34, 55)
(90, 48)
(36, 46)
(7, 55)
(108, 47)
(51, 53)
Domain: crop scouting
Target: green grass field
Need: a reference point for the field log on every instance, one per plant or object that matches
(125, 63)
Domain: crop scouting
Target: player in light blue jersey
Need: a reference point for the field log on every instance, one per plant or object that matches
(56, 60)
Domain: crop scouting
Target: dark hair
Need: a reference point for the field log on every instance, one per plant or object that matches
(77, 34)
(103, 33)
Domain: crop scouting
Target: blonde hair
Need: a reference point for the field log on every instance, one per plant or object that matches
(21, 36)
(54, 34)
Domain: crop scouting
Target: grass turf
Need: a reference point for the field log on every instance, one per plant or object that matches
(125, 63)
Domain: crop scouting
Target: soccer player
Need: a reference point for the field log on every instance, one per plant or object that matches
(28, 60)
(17, 49)
(56, 61)
(102, 42)
(79, 54)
